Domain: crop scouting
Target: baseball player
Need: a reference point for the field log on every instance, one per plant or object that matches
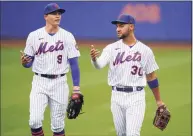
(131, 64)
(50, 51)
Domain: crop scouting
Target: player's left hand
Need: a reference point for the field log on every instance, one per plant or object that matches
(25, 58)
(162, 117)
(75, 105)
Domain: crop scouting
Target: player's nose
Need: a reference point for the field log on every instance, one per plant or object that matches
(118, 29)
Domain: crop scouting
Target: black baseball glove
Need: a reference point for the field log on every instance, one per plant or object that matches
(162, 117)
(75, 105)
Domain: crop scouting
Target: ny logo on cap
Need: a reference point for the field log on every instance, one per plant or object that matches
(56, 6)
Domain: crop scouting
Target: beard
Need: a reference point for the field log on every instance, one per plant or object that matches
(122, 36)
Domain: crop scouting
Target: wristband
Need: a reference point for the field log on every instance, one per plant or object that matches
(153, 84)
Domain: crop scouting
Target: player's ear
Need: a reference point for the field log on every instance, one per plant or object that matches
(45, 16)
(131, 26)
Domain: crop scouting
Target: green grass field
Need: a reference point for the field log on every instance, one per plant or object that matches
(175, 84)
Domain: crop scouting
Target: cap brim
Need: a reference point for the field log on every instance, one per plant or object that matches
(60, 10)
(118, 21)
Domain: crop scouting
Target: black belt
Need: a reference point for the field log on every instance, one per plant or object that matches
(50, 76)
(127, 89)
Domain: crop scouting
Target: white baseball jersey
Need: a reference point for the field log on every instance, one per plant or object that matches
(127, 65)
(51, 52)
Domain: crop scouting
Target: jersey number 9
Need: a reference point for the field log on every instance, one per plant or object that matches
(59, 59)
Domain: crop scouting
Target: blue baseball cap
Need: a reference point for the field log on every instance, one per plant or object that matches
(52, 7)
(124, 18)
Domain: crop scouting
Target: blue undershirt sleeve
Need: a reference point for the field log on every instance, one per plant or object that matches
(75, 70)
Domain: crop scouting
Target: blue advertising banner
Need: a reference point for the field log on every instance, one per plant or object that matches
(92, 20)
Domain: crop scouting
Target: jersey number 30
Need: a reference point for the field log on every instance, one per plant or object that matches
(137, 70)
(59, 59)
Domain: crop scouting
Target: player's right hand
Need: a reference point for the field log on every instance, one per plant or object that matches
(94, 53)
(25, 58)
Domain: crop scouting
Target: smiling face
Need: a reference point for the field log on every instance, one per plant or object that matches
(53, 18)
(124, 30)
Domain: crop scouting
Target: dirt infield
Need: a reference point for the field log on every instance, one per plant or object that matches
(103, 43)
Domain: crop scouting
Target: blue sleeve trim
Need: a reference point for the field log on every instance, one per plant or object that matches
(75, 71)
(153, 84)
(28, 65)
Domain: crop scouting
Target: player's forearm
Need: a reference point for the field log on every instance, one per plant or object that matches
(95, 64)
(156, 94)
(98, 63)
(153, 83)
(154, 86)
(75, 73)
